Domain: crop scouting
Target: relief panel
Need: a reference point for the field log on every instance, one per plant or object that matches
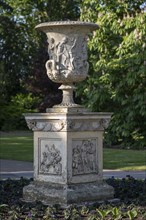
(50, 158)
(68, 58)
(84, 156)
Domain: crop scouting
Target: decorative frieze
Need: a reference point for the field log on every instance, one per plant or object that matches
(63, 64)
(84, 156)
(68, 125)
(45, 125)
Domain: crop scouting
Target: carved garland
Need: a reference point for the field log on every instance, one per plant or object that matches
(70, 124)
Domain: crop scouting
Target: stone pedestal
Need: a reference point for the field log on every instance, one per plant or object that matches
(68, 138)
(68, 157)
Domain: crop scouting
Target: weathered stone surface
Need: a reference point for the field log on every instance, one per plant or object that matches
(68, 155)
(67, 48)
(70, 121)
(51, 194)
(68, 138)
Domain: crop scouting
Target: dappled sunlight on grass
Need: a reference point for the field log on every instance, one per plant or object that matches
(134, 167)
(124, 159)
(16, 138)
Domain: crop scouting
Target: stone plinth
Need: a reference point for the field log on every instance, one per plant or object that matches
(68, 157)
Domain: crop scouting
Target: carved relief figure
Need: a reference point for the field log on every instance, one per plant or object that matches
(62, 53)
(51, 48)
(51, 160)
(65, 53)
(72, 53)
(80, 59)
(84, 157)
(77, 160)
(68, 58)
(51, 66)
(84, 54)
(84, 49)
(52, 72)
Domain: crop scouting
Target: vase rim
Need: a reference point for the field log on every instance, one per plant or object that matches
(90, 25)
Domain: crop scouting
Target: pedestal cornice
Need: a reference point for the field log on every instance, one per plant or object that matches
(87, 121)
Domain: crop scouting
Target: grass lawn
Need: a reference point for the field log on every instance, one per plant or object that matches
(16, 146)
(124, 159)
(19, 146)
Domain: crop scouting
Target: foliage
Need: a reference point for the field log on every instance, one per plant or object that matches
(130, 207)
(124, 159)
(11, 115)
(11, 47)
(23, 50)
(117, 80)
(129, 190)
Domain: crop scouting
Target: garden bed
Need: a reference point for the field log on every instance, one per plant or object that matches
(132, 205)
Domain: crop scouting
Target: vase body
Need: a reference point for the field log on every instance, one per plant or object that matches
(67, 48)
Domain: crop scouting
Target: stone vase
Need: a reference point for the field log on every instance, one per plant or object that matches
(67, 48)
(68, 139)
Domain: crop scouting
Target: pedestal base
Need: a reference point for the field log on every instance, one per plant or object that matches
(51, 194)
(68, 156)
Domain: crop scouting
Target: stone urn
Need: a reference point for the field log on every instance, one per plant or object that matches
(68, 139)
(67, 48)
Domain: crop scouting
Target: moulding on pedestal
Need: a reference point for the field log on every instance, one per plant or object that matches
(67, 122)
(68, 158)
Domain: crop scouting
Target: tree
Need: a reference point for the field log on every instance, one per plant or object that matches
(22, 43)
(117, 77)
(23, 51)
(9, 50)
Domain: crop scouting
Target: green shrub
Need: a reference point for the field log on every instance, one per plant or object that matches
(11, 114)
(117, 75)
